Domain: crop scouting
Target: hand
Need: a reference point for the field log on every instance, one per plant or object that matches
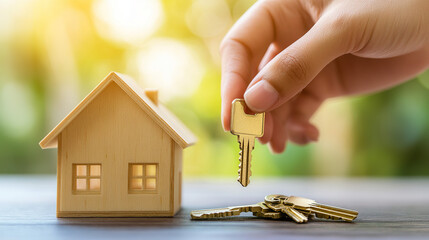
(285, 57)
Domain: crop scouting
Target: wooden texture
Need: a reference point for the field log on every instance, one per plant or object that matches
(114, 132)
(59, 154)
(162, 116)
(152, 94)
(388, 209)
(115, 126)
(177, 177)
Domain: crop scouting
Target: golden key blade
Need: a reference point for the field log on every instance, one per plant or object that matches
(297, 216)
(270, 215)
(246, 145)
(247, 127)
(229, 211)
(321, 209)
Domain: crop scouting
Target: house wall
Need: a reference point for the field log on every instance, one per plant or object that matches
(177, 177)
(114, 131)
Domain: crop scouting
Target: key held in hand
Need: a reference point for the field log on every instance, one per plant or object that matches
(246, 124)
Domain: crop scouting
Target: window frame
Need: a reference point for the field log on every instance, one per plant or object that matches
(87, 177)
(143, 177)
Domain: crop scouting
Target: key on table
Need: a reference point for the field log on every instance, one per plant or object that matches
(247, 127)
(288, 210)
(270, 215)
(311, 206)
(229, 211)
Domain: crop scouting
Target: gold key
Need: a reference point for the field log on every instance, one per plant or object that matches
(288, 210)
(269, 213)
(247, 127)
(229, 211)
(311, 206)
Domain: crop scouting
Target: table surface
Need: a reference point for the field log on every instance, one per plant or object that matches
(388, 208)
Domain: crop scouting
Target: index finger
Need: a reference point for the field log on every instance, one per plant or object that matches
(241, 51)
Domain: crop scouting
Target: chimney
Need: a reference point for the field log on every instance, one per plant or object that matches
(152, 94)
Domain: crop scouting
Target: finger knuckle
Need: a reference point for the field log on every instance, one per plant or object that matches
(294, 68)
(341, 21)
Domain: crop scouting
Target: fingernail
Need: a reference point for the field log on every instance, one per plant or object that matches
(261, 96)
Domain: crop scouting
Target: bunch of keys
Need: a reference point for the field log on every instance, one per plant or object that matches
(247, 127)
(299, 208)
(278, 206)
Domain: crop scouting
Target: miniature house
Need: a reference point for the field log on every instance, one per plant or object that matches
(119, 154)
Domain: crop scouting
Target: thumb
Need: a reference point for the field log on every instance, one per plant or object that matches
(295, 67)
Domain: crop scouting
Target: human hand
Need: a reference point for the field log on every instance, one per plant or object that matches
(285, 57)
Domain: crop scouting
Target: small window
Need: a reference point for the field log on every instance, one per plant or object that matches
(87, 178)
(143, 177)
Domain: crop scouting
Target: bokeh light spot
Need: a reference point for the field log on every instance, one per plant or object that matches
(209, 18)
(128, 21)
(170, 66)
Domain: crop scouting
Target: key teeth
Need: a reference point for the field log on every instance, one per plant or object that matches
(244, 184)
(240, 167)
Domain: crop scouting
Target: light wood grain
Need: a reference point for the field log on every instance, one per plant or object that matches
(177, 178)
(114, 132)
(152, 94)
(161, 115)
(117, 125)
(59, 177)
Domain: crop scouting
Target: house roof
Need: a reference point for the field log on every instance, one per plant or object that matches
(160, 114)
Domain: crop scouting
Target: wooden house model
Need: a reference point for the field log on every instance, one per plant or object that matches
(119, 154)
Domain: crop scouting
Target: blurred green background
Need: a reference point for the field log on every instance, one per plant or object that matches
(53, 53)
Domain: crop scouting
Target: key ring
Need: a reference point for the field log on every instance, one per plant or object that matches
(275, 198)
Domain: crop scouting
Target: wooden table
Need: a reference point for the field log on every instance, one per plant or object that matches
(389, 208)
